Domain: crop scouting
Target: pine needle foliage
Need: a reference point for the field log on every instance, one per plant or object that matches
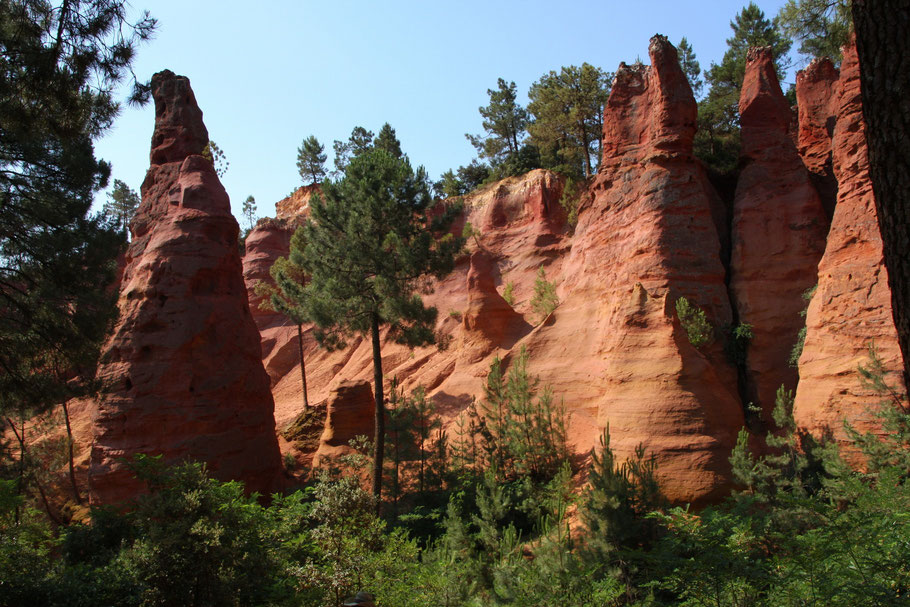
(544, 300)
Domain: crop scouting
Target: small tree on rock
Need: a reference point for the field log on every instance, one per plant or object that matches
(311, 160)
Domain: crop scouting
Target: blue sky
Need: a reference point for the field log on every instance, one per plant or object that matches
(268, 74)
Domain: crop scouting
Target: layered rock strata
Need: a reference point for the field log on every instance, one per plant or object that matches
(182, 371)
(851, 309)
(778, 233)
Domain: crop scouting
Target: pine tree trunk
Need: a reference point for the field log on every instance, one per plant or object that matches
(883, 47)
(379, 439)
(306, 402)
(69, 436)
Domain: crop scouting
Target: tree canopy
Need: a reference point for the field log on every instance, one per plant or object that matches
(567, 109)
(311, 160)
(505, 123)
(121, 205)
(369, 244)
(62, 64)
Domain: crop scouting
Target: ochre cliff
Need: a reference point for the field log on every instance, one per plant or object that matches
(182, 372)
(778, 233)
(851, 308)
(189, 375)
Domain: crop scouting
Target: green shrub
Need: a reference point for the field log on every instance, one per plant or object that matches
(695, 322)
(509, 293)
(544, 300)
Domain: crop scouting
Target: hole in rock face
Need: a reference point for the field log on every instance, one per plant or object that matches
(128, 384)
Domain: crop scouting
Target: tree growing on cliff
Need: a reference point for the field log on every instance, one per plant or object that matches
(311, 160)
(369, 245)
(505, 123)
(388, 141)
(567, 109)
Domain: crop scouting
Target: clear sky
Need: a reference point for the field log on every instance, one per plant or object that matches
(267, 74)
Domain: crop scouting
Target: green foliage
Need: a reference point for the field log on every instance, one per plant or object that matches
(567, 109)
(216, 156)
(60, 66)
(695, 322)
(690, 66)
(544, 300)
(249, 211)
(717, 139)
(797, 350)
(571, 199)
(311, 160)
(369, 244)
(505, 123)
(508, 293)
(360, 141)
(523, 432)
(822, 27)
(388, 141)
(736, 342)
(121, 206)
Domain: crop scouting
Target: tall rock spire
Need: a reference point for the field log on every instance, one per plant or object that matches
(851, 309)
(182, 372)
(778, 232)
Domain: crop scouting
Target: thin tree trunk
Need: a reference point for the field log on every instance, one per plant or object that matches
(20, 488)
(379, 439)
(306, 402)
(883, 48)
(69, 436)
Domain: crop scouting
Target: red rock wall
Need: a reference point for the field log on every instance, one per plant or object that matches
(182, 371)
(778, 233)
(851, 308)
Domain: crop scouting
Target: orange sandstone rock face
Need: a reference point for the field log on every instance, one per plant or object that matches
(183, 368)
(349, 413)
(778, 232)
(816, 93)
(851, 308)
(614, 346)
(297, 204)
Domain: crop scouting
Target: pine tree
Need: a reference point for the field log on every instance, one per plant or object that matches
(544, 300)
(369, 242)
(287, 296)
(249, 211)
(386, 140)
(63, 64)
(311, 160)
(717, 139)
(822, 27)
(567, 109)
(690, 66)
(121, 206)
(359, 142)
(505, 123)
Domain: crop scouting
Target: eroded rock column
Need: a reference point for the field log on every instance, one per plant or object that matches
(182, 371)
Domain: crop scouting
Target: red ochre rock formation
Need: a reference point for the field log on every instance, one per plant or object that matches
(778, 232)
(489, 321)
(613, 346)
(851, 308)
(182, 371)
(613, 350)
(349, 413)
(297, 204)
(816, 93)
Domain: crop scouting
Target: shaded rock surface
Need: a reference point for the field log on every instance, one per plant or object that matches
(349, 413)
(778, 233)
(183, 370)
(851, 309)
(816, 95)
